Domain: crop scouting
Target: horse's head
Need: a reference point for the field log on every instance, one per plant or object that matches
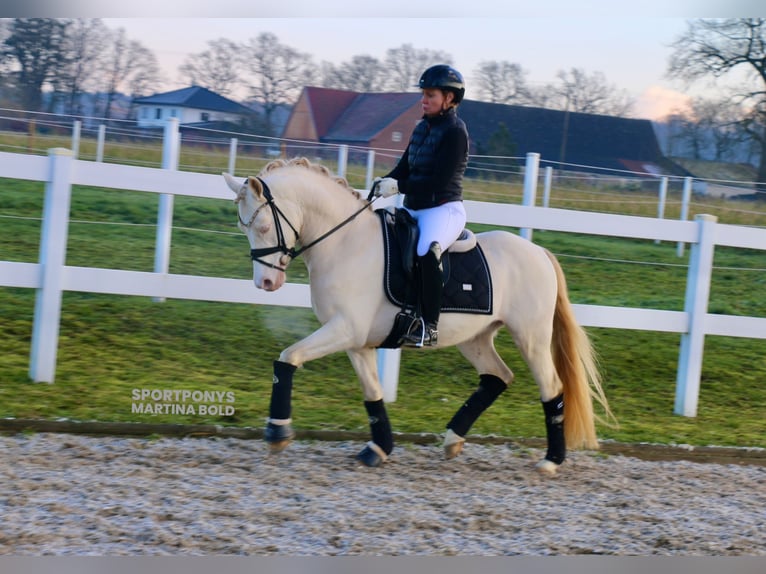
(260, 221)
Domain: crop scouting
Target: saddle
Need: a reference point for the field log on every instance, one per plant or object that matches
(466, 275)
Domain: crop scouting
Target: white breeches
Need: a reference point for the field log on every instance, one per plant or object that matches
(442, 224)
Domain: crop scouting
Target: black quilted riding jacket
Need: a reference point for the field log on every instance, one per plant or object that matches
(431, 170)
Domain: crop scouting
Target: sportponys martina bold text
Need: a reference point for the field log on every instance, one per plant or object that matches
(182, 402)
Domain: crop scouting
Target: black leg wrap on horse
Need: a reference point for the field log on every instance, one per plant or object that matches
(380, 426)
(281, 391)
(489, 389)
(554, 426)
(278, 433)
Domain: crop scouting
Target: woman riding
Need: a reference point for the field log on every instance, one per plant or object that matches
(430, 176)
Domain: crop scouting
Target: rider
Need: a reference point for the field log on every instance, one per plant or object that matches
(430, 175)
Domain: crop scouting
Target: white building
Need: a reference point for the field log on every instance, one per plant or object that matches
(194, 105)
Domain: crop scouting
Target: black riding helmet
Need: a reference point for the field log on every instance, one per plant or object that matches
(444, 77)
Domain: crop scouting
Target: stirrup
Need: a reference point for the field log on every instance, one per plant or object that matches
(421, 334)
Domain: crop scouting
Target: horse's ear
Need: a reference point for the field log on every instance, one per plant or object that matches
(255, 185)
(234, 184)
(238, 187)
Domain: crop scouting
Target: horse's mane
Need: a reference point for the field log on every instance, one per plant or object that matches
(315, 167)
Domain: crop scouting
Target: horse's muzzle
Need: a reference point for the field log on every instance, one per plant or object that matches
(269, 281)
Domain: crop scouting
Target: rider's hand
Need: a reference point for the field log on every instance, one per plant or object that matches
(385, 187)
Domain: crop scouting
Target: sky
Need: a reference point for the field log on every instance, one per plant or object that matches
(632, 53)
(627, 42)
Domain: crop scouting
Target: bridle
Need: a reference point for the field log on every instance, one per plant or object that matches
(281, 246)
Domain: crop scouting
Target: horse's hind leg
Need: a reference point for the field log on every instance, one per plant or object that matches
(535, 347)
(494, 378)
(377, 450)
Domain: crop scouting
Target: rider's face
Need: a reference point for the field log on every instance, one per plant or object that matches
(434, 101)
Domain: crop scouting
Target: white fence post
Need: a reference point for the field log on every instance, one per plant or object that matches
(548, 182)
(342, 160)
(76, 129)
(370, 169)
(531, 171)
(53, 241)
(685, 199)
(232, 155)
(170, 152)
(696, 304)
(388, 372)
(661, 202)
(100, 144)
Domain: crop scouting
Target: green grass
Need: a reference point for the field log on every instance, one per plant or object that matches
(111, 345)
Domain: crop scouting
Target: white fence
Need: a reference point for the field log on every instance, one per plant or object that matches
(51, 277)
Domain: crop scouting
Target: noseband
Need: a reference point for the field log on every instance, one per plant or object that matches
(281, 246)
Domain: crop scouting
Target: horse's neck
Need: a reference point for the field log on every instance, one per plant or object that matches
(322, 210)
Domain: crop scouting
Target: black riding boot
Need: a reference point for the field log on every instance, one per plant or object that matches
(431, 284)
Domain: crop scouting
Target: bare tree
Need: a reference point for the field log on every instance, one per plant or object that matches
(754, 125)
(362, 73)
(216, 68)
(709, 129)
(405, 64)
(7, 81)
(578, 91)
(84, 45)
(127, 66)
(720, 120)
(501, 83)
(714, 48)
(144, 78)
(279, 72)
(35, 46)
(694, 129)
(673, 133)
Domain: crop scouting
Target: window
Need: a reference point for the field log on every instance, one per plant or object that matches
(204, 117)
(158, 114)
(396, 137)
(173, 113)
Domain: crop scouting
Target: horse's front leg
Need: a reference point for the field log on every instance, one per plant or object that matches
(376, 451)
(330, 338)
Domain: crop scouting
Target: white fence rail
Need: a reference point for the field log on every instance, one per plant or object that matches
(51, 277)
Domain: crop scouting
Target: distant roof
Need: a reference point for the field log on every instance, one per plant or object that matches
(575, 141)
(369, 114)
(326, 106)
(195, 97)
(591, 139)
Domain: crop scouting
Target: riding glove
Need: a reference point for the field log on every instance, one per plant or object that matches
(385, 187)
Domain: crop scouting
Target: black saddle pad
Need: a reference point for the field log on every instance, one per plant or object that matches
(467, 281)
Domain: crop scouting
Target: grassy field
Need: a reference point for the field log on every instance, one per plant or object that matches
(111, 345)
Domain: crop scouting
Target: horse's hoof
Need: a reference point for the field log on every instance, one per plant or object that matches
(452, 450)
(453, 444)
(279, 446)
(547, 468)
(279, 437)
(372, 455)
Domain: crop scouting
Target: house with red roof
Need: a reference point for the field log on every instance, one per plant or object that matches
(573, 141)
(381, 121)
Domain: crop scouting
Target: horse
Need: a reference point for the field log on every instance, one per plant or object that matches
(299, 208)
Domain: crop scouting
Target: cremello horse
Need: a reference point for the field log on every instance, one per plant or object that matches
(293, 208)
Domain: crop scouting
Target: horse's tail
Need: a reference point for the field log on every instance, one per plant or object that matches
(575, 362)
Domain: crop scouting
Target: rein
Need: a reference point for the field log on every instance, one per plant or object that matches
(281, 246)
